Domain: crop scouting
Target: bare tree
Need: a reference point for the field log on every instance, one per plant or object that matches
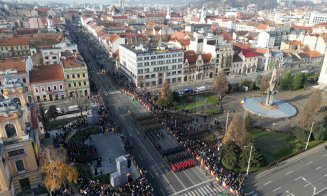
(220, 85)
(310, 110)
(236, 130)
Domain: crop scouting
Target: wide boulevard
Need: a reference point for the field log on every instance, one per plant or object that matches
(193, 181)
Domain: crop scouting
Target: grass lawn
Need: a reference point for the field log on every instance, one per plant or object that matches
(275, 146)
(196, 102)
(55, 124)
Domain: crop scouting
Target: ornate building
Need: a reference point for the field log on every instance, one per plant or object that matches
(18, 142)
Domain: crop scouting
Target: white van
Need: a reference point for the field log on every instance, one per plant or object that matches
(200, 89)
(73, 108)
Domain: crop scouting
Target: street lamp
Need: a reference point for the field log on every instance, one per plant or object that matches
(314, 188)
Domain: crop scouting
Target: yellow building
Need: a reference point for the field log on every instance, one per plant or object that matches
(19, 170)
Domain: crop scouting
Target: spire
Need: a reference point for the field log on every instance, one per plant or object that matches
(203, 15)
(168, 13)
(122, 5)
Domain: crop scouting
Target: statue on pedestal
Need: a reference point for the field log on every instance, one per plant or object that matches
(271, 91)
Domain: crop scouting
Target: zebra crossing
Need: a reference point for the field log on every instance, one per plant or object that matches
(206, 191)
(113, 92)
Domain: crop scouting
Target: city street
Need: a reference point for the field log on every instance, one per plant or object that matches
(304, 174)
(191, 181)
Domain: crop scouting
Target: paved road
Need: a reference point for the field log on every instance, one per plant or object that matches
(192, 181)
(297, 176)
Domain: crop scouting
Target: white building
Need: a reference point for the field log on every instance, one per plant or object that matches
(316, 17)
(323, 74)
(149, 66)
(52, 55)
(221, 51)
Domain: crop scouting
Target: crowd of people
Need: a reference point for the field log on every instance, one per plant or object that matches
(139, 186)
(181, 131)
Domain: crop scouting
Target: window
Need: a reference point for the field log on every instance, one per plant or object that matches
(74, 84)
(60, 87)
(73, 75)
(67, 76)
(24, 80)
(85, 83)
(79, 84)
(55, 87)
(78, 75)
(54, 57)
(20, 166)
(10, 130)
(42, 89)
(69, 85)
(46, 57)
(44, 97)
(83, 75)
(49, 88)
(36, 89)
(38, 98)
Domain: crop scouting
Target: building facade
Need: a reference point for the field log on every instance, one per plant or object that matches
(150, 66)
(76, 76)
(14, 47)
(18, 144)
(48, 83)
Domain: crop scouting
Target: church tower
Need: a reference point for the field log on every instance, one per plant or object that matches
(203, 15)
(122, 5)
(168, 13)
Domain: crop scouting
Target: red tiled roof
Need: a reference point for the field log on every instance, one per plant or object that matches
(242, 46)
(14, 41)
(206, 57)
(178, 35)
(250, 54)
(262, 50)
(314, 54)
(191, 56)
(46, 73)
(42, 9)
(296, 27)
(262, 26)
(18, 64)
(72, 63)
(296, 43)
(184, 42)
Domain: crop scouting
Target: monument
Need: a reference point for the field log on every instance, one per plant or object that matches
(269, 106)
(271, 91)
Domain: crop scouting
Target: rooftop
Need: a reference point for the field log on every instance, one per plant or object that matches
(46, 73)
(14, 41)
(17, 64)
(72, 63)
(152, 48)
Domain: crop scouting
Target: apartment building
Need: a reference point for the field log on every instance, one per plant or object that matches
(48, 83)
(221, 51)
(150, 65)
(14, 47)
(317, 17)
(76, 76)
(53, 55)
